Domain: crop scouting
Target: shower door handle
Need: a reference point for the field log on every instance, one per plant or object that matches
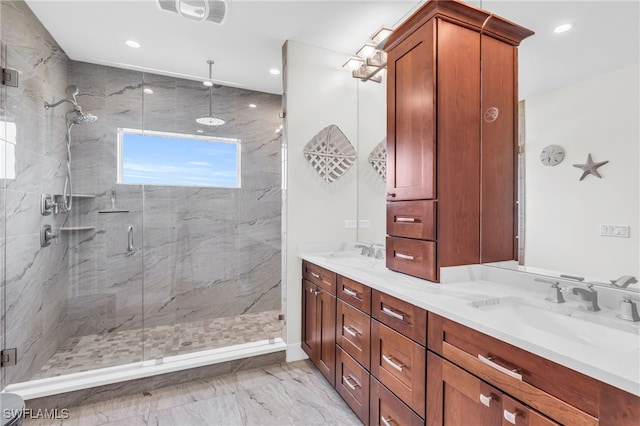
(130, 239)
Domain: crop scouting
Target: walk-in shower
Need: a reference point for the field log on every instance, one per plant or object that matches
(198, 283)
(75, 116)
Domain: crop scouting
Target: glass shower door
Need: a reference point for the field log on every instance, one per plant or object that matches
(212, 267)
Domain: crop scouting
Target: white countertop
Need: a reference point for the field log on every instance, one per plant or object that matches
(614, 358)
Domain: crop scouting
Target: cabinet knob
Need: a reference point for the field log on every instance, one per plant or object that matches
(510, 417)
(486, 400)
(391, 194)
(386, 422)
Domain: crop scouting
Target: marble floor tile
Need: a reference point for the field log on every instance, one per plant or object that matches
(283, 394)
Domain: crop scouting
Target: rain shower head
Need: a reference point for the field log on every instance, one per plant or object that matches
(210, 120)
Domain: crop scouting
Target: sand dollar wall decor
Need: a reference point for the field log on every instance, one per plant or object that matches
(330, 153)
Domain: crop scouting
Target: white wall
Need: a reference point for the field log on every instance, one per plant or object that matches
(318, 92)
(563, 215)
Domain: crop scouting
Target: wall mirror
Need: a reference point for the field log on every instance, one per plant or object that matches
(580, 91)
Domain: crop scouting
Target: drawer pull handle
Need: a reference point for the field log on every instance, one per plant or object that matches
(389, 361)
(391, 194)
(349, 292)
(486, 400)
(406, 219)
(404, 256)
(392, 313)
(510, 417)
(346, 381)
(314, 275)
(351, 331)
(490, 362)
(386, 422)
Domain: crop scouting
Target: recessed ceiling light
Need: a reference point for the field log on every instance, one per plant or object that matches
(148, 91)
(252, 105)
(562, 28)
(208, 83)
(133, 44)
(274, 71)
(200, 131)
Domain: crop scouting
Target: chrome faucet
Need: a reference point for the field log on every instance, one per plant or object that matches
(624, 281)
(368, 251)
(587, 295)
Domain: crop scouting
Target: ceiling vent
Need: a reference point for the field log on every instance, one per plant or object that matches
(198, 10)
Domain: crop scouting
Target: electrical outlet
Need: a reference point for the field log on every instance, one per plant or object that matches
(350, 224)
(620, 231)
(364, 223)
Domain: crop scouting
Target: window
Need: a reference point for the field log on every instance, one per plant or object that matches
(161, 158)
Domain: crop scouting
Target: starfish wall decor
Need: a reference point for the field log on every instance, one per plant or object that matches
(590, 168)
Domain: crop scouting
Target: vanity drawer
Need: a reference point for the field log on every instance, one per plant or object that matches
(560, 393)
(352, 383)
(356, 294)
(412, 257)
(412, 219)
(386, 409)
(399, 363)
(353, 332)
(319, 276)
(403, 317)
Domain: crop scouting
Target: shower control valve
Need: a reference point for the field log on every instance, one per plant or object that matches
(47, 235)
(48, 205)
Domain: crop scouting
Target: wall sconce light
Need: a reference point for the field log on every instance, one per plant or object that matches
(370, 60)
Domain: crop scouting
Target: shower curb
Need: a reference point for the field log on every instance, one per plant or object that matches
(150, 384)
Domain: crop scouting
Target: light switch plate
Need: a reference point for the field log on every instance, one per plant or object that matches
(364, 223)
(620, 231)
(350, 224)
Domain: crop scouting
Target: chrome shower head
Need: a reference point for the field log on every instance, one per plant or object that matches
(82, 118)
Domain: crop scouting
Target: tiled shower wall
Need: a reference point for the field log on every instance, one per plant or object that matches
(200, 253)
(208, 252)
(35, 310)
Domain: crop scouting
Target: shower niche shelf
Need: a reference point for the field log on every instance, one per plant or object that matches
(113, 211)
(77, 228)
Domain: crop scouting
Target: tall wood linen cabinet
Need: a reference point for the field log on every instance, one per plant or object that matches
(451, 139)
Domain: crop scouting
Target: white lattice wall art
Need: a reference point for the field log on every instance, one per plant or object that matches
(378, 159)
(330, 153)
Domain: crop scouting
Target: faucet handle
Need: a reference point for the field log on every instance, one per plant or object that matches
(628, 310)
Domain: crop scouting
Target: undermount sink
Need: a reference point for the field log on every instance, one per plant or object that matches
(531, 319)
(355, 259)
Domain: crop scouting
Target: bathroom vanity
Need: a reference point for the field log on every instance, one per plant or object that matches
(403, 351)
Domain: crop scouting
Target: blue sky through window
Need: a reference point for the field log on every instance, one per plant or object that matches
(171, 159)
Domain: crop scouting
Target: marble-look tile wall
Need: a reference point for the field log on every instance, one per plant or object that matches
(208, 252)
(35, 305)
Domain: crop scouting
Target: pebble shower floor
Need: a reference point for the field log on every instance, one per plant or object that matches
(84, 353)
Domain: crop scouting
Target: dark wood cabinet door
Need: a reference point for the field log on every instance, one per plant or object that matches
(411, 113)
(352, 383)
(458, 145)
(386, 409)
(457, 398)
(309, 320)
(399, 363)
(326, 314)
(498, 154)
(353, 332)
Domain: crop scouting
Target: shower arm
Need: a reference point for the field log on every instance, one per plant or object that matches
(47, 105)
